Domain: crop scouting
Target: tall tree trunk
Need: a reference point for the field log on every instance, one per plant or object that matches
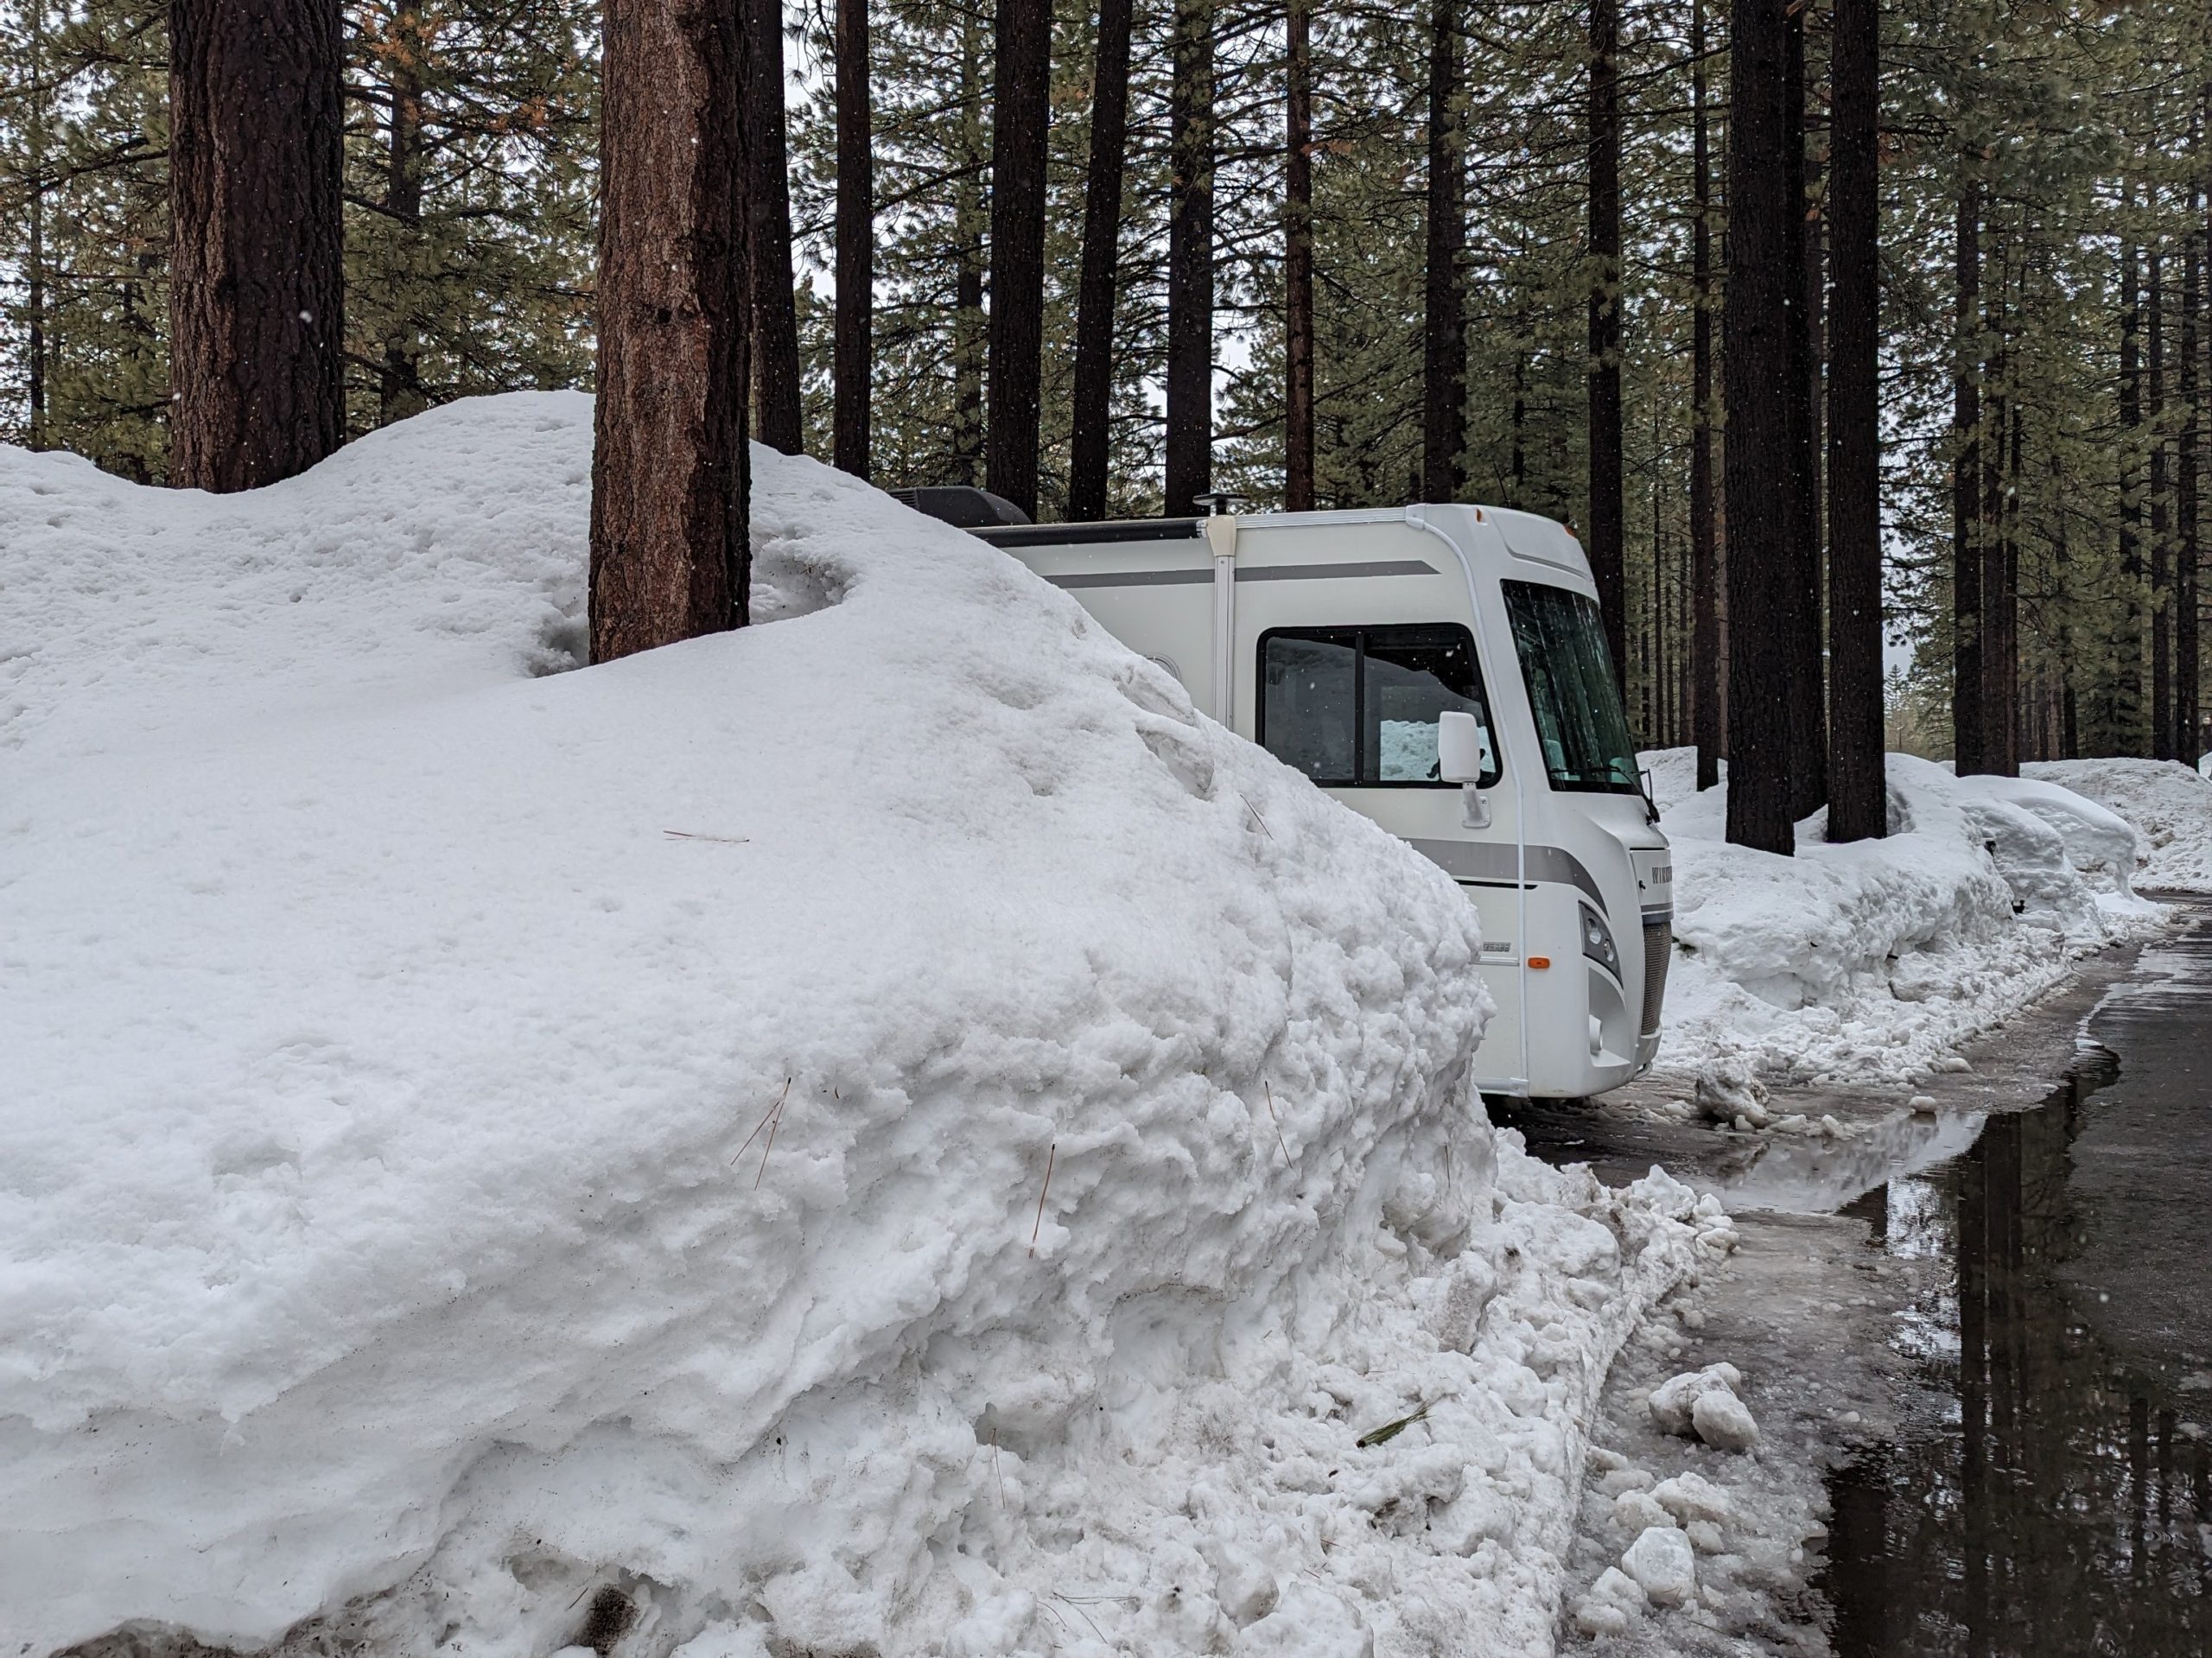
(2161, 660)
(670, 555)
(399, 381)
(1190, 260)
(34, 251)
(1858, 797)
(1021, 78)
(2127, 676)
(2187, 667)
(775, 307)
(257, 270)
(1091, 439)
(853, 353)
(2069, 737)
(1607, 543)
(970, 218)
(1705, 570)
(1966, 480)
(1801, 593)
(2000, 601)
(1444, 331)
(1298, 265)
(1756, 377)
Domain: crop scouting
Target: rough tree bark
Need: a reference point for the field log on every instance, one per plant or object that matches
(256, 272)
(2125, 722)
(2187, 666)
(1605, 530)
(1020, 82)
(1800, 591)
(1857, 798)
(2001, 598)
(1966, 479)
(34, 187)
(1704, 569)
(1190, 260)
(971, 222)
(1755, 377)
(1298, 265)
(1444, 331)
(2162, 658)
(852, 369)
(399, 384)
(669, 557)
(1090, 439)
(775, 309)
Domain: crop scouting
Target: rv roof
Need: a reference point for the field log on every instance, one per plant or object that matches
(1527, 535)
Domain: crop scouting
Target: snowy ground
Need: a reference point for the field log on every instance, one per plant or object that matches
(880, 1133)
(1877, 962)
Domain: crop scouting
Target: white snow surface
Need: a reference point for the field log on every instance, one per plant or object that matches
(883, 1131)
(2168, 803)
(1877, 961)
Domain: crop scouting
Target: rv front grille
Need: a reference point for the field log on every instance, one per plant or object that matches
(1658, 945)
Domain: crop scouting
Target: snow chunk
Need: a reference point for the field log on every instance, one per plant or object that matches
(1609, 1604)
(1671, 1400)
(1690, 1497)
(1664, 1568)
(1723, 1421)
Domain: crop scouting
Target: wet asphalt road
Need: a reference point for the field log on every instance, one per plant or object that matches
(2016, 1293)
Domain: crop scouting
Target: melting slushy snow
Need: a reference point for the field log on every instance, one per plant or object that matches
(879, 1132)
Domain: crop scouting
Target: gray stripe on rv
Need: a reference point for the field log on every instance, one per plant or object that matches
(1489, 860)
(1244, 573)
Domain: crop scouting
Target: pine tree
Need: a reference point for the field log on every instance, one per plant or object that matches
(257, 268)
(855, 344)
(1760, 384)
(669, 549)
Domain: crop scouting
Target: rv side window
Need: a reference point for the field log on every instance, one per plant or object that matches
(1356, 707)
(1580, 718)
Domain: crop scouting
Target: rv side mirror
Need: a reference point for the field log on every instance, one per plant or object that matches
(1459, 748)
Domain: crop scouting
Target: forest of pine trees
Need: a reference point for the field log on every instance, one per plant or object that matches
(1802, 314)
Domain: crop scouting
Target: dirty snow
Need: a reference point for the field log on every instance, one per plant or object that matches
(1875, 961)
(880, 1132)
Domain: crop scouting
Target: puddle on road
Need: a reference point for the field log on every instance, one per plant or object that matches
(2051, 1492)
(2028, 1321)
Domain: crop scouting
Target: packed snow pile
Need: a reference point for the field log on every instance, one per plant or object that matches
(879, 1132)
(2169, 803)
(1875, 961)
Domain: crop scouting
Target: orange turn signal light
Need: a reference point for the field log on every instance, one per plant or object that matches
(1539, 961)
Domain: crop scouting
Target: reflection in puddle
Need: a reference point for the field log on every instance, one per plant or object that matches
(1819, 1177)
(2055, 1499)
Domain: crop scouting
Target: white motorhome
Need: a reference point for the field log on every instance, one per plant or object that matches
(1442, 669)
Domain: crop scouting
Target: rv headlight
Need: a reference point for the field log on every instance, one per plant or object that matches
(1598, 942)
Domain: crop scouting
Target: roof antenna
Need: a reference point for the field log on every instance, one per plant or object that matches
(1218, 502)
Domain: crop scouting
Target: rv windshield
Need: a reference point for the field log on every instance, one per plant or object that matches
(1579, 720)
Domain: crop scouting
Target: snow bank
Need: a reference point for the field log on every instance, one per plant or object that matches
(879, 1132)
(1878, 960)
(2169, 804)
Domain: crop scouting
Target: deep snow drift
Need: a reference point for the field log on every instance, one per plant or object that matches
(2169, 803)
(1875, 961)
(882, 1132)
